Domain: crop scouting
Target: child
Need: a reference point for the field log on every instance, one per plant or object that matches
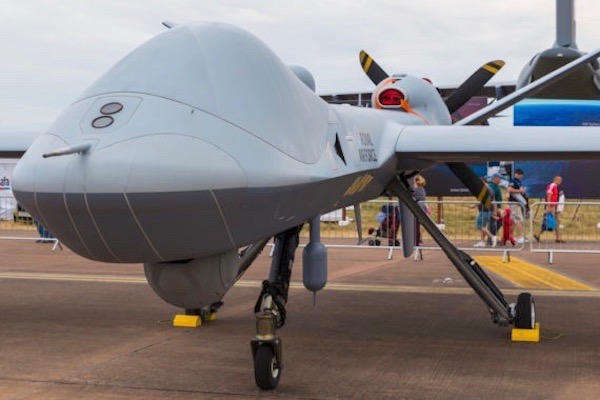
(506, 225)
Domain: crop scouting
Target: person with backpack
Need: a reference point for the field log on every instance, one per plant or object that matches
(550, 221)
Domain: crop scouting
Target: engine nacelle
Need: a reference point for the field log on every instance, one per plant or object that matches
(196, 283)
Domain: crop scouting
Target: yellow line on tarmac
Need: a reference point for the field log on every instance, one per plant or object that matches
(528, 275)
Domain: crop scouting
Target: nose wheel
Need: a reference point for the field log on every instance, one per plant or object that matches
(267, 368)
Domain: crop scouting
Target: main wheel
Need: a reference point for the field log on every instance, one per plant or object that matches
(266, 369)
(525, 312)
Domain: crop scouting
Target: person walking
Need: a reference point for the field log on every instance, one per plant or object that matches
(483, 220)
(420, 196)
(550, 213)
(517, 200)
(495, 216)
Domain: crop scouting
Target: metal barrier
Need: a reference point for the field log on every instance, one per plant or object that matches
(380, 226)
(578, 225)
(458, 221)
(17, 224)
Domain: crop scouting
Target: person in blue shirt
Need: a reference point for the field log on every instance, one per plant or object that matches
(518, 202)
(483, 221)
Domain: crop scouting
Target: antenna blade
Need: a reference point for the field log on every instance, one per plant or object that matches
(169, 24)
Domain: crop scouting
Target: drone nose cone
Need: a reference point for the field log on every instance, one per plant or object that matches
(145, 199)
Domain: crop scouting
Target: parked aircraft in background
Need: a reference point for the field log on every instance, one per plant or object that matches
(573, 101)
(201, 142)
(583, 84)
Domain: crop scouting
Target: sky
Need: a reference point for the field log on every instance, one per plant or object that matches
(53, 49)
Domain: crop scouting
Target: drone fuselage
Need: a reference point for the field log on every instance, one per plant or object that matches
(202, 141)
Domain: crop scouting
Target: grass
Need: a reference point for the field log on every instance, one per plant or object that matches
(18, 225)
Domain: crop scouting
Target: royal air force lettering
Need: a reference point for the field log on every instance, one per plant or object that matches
(367, 152)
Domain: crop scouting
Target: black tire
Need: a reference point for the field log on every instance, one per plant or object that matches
(525, 312)
(266, 370)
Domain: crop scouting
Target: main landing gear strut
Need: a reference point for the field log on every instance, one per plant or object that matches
(270, 311)
(522, 314)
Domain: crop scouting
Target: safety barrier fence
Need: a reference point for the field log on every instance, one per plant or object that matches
(457, 219)
(460, 221)
(577, 228)
(17, 224)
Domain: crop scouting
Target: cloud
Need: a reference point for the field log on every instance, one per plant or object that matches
(53, 50)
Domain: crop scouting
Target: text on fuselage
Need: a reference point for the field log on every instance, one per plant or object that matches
(366, 152)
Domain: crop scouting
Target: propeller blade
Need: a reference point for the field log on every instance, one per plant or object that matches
(456, 100)
(472, 85)
(371, 68)
(472, 182)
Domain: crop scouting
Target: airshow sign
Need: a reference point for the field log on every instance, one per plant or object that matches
(7, 201)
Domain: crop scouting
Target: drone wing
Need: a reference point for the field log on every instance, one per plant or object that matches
(447, 144)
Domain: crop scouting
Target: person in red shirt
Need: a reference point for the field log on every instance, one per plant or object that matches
(552, 195)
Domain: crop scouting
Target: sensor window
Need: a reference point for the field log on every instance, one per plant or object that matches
(111, 108)
(102, 122)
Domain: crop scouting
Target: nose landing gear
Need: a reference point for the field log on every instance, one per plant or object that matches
(266, 349)
(270, 311)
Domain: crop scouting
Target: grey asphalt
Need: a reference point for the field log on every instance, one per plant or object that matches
(384, 329)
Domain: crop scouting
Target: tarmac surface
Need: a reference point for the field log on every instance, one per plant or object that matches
(382, 329)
